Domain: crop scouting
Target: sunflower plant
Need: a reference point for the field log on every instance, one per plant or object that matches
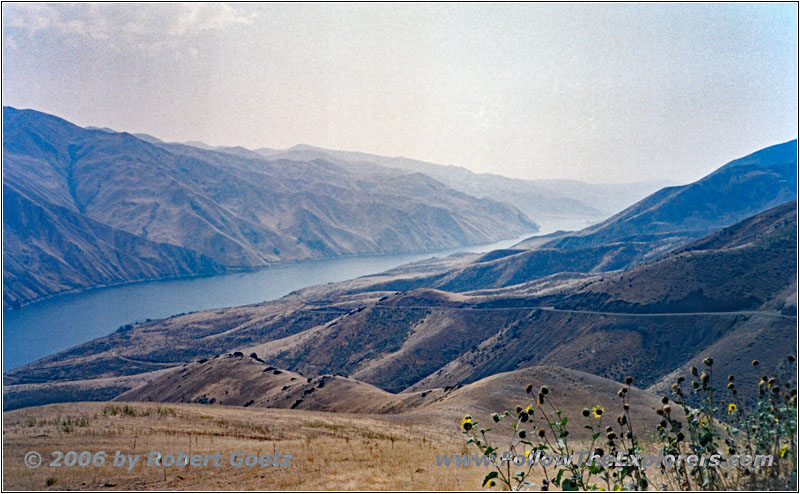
(516, 466)
(717, 422)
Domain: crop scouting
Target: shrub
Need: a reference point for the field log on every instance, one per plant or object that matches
(727, 426)
(554, 440)
(715, 423)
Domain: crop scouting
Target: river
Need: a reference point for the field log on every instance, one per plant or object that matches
(55, 324)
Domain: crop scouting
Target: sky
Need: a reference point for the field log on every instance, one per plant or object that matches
(593, 92)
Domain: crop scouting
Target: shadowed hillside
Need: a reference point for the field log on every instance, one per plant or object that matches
(89, 207)
(239, 380)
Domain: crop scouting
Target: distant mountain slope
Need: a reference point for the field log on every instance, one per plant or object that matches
(663, 221)
(216, 210)
(540, 199)
(50, 249)
(735, 191)
(644, 231)
(708, 274)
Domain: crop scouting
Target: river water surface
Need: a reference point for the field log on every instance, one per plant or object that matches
(52, 325)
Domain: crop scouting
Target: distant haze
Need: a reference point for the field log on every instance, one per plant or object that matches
(594, 92)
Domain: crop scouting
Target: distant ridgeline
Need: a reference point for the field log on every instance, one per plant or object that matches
(89, 207)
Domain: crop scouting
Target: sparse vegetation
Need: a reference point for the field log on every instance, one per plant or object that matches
(723, 425)
(127, 410)
(529, 442)
(164, 411)
(756, 447)
(68, 424)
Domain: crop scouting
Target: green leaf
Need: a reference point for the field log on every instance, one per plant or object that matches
(489, 476)
(569, 485)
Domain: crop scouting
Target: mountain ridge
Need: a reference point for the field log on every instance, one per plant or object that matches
(239, 211)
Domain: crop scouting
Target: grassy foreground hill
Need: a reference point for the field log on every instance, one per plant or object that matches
(350, 447)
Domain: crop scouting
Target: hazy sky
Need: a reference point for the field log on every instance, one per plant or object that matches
(596, 92)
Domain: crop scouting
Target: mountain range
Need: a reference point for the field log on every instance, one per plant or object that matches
(668, 219)
(543, 200)
(709, 267)
(546, 200)
(90, 207)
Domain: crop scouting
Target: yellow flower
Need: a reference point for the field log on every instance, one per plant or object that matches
(528, 454)
(466, 423)
(703, 421)
(529, 410)
(782, 451)
(731, 407)
(598, 411)
(491, 483)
